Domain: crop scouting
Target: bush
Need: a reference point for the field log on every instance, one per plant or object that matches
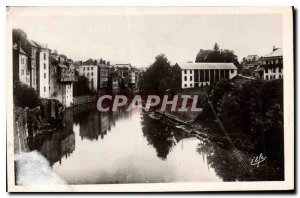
(24, 96)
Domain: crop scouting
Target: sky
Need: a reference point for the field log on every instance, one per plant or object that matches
(137, 39)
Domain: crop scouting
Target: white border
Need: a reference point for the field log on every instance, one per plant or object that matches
(196, 186)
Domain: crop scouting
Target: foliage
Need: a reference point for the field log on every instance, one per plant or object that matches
(19, 36)
(161, 76)
(25, 96)
(81, 87)
(217, 55)
(254, 110)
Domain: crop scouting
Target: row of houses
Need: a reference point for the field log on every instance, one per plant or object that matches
(267, 67)
(104, 77)
(53, 75)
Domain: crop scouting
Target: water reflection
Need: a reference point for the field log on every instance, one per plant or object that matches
(58, 144)
(93, 123)
(161, 134)
(222, 159)
(129, 147)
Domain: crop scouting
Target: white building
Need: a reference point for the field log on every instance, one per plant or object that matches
(24, 71)
(202, 74)
(91, 72)
(272, 64)
(43, 83)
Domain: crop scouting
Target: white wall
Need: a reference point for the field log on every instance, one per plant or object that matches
(188, 83)
(24, 74)
(44, 74)
(275, 75)
(69, 94)
(231, 75)
(86, 71)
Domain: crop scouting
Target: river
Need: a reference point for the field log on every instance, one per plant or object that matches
(132, 147)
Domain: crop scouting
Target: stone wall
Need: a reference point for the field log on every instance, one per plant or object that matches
(30, 122)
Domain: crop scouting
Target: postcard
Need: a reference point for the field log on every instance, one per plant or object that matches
(150, 99)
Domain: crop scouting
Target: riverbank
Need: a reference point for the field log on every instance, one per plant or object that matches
(43, 119)
(248, 117)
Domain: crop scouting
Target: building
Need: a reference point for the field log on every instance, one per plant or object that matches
(250, 62)
(91, 71)
(124, 71)
(21, 67)
(202, 74)
(271, 66)
(62, 77)
(42, 71)
(104, 70)
(32, 50)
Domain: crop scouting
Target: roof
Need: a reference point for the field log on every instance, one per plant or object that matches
(251, 56)
(277, 52)
(123, 65)
(40, 45)
(32, 43)
(23, 52)
(207, 66)
(63, 66)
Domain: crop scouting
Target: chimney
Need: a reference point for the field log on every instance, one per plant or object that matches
(274, 48)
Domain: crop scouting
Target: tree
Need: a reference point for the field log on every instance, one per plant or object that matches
(81, 87)
(19, 36)
(25, 96)
(160, 76)
(216, 47)
(217, 55)
(202, 55)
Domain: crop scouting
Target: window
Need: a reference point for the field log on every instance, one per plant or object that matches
(191, 85)
(271, 62)
(88, 68)
(274, 69)
(267, 77)
(44, 89)
(276, 61)
(92, 68)
(92, 74)
(279, 69)
(191, 78)
(232, 71)
(84, 69)
(44, 56)
(190, 71)
(185, 71)
(279, 76)
(45, 66)
(266, 70)
(185, 78)
(185, 85)
(45, 75)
